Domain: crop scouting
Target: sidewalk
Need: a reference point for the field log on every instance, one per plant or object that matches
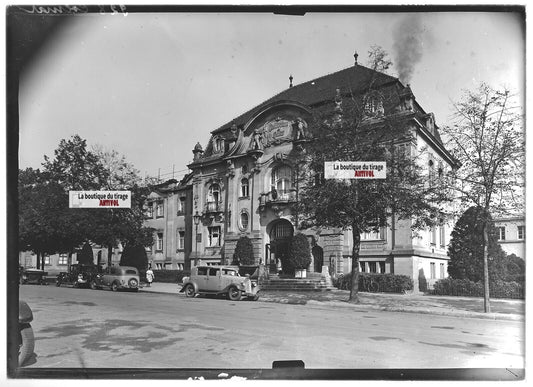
(501, 309)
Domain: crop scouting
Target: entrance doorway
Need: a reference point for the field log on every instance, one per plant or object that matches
(280, 236)
(318, 258)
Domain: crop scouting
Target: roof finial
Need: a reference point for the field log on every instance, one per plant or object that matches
(290, 79)
(355, 55)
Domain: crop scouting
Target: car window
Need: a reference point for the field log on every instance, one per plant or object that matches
(213, 272)
(131, 271)
(202, 271)
(230, 272)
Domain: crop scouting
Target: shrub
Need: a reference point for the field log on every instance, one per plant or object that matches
(387, 283)
(135, 256)
(244, 252)
(170, 276)
(85, 256)
(463, 287)
(299, 253)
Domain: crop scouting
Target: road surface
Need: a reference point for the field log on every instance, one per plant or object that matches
(99, 328)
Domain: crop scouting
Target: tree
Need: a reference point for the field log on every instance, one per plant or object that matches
(135, 255)
(368, 128)
(466, 249)
(244, 251)
(487, 138)
(299, 253)
(86, 256)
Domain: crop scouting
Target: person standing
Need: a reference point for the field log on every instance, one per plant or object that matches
(150, 276)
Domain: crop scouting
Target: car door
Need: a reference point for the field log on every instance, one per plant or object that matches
(201, 278)
(213, 279)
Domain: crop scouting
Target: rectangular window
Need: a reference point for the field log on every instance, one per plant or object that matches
(202, 271)
(442, 236)
(433, 236)
(442, 270)
(181, 240)
(432, 270)
(521, 232)
(372, 266)
(46, 260)
(159, 210)
(214, 236)
(63, 259)
(181, 205)
(382, 267)
(159, 241)
(363, 266)
(501, 233)
(374, 235)
(149, 212)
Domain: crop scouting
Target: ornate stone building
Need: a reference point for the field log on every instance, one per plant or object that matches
(243, 182)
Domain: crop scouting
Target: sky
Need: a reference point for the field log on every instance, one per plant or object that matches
(152, 85)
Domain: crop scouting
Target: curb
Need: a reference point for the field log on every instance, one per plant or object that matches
(314, 303)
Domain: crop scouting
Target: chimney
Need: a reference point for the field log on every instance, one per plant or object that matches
(355, 55)
(290, 79)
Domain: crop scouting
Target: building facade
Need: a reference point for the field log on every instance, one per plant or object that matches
(244, 183)
(512, 235)
(168, 211)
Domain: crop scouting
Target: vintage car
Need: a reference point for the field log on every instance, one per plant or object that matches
(219, 280)
(32, 276)
(78, 275)
(117, 278)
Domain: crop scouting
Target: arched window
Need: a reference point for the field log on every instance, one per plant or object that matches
(244, 188)
(281, 180)
(244, 221)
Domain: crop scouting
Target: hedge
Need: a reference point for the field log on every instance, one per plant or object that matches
(464, 287)
(387, 283)
(170, 276)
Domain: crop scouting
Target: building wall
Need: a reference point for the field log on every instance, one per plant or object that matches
(514, 243)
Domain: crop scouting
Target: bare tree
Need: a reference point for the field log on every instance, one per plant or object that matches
(487, 138)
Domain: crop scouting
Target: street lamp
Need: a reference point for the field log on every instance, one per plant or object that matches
(196, 218)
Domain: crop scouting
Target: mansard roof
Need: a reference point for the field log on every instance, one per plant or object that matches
(354, 79)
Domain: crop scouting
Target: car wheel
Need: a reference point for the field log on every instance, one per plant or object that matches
(189, 290)
(234, 294)
(26, 343)
(114, 287)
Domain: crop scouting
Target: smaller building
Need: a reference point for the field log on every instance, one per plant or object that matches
(511, 234)
(168, 210)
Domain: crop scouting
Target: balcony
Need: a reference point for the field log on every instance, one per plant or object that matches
(275, 198)
(213, 208)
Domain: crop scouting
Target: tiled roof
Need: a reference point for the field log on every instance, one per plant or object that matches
(354, 79)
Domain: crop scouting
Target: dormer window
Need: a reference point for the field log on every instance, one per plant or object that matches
(218, 145)
(373, 106)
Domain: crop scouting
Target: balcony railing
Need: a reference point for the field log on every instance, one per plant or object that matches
(213, 207)
(277, 197)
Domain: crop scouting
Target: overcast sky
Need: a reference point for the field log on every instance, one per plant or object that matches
(153, 85)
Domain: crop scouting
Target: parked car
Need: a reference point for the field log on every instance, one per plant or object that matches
(32, 276)
(117, 278)
(220, 280)
(79, 275)
(26, 339)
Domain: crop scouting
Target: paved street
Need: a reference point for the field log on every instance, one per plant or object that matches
(89, 328)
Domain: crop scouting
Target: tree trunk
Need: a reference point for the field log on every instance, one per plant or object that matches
(69, 261)
(486, 299)
(38, 263)
(354, 290)
(109, 255)
(43, 257)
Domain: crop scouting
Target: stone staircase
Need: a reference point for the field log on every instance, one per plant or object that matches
(313, 282)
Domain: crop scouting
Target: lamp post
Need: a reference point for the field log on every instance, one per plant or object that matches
(196, 219)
